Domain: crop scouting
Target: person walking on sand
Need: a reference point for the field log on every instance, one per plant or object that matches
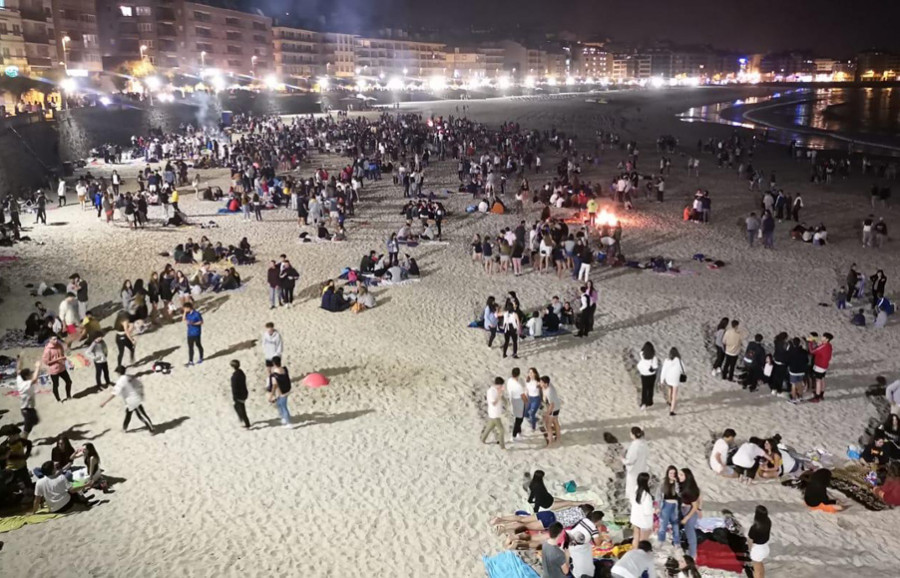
(99, 355)
(495, 413)
(194, 322)
(672, 375)
(131, 390)
(635, 460)
(41, 201)
(752, 228)
(758, 540)
(511, 328)
(272, 345)
(24, 386)
(279, 389)
(61, 193)
(648, 368)
(239, 392)
(54, 357)
(552, 405)
(515, 391)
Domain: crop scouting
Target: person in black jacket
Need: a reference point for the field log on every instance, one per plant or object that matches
(798, 363)
(879, 280)
(273, 276)
(239, 392)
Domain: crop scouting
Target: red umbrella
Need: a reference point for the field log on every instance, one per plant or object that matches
(315, 380)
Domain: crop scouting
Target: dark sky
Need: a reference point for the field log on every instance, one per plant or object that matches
(829, 27)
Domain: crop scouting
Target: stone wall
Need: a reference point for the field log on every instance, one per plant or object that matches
(29, 153)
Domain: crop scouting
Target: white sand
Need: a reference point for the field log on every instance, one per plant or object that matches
(384, 473)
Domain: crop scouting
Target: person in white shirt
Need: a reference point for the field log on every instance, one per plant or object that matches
(892, 394)
(515, 392)
(746, 459)
(648, 367)
(495, 413)
(635, 460)
(718, 459)
(272, 345)
(535, 325)
(636, 563)
(641, 517)
(671, 375)
(132, 393)
(511, 329)
(61, 193)
(24, 386)
(56, 491)
(582, 539)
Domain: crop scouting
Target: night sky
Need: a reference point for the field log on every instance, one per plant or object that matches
(828, 27)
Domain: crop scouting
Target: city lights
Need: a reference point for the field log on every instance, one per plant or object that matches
(271, 81)
(152, 82)
(324, 83)
(395, 84)
(69, 85)
(504, 83)
(529, 81)
(437, 83)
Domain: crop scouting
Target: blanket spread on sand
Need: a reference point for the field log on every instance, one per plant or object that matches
(10, 523)
(507, 565)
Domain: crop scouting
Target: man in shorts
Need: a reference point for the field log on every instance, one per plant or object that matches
(820, 350)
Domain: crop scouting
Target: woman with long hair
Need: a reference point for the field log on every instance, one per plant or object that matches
(642, 509)
(669, 506)
(647, 367)
(540, 497)
(720, 346)
(533, 391)
(758, 541)
(691, 507)
(153, 294)
(671, 375)
(127, 294)
(125, 338)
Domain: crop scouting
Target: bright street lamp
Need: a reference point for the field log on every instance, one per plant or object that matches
(253, 65)
(65, 43)
(203, 59)
(143, 51)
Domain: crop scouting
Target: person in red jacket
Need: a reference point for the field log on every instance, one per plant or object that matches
(820, 349)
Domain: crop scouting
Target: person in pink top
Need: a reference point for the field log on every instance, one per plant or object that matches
(55, 359)
(820, 349)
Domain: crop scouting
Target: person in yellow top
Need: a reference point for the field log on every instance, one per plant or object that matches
(173, 198)
(592, 210)
(733, 340)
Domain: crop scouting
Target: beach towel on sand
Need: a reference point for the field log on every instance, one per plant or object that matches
(10, 523)
(507, 565)
(720, 556)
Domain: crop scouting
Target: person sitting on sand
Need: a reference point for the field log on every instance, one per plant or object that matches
(889, 491)
(541, 498)
(364, 300)
(858, 319)
(798, 231)
(815, 495)
(333, 299)
(718, 459)
(820, 237)
(550, 320)
(567, 316)
(367, 264)
(231, 280)
(875, 453)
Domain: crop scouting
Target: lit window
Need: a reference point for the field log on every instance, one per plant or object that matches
(142, 10)
(126, 11)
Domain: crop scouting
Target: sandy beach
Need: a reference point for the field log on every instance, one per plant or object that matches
(383, 473)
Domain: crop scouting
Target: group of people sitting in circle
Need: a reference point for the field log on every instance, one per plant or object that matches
(61, 480)
(205, 251)
(386, 268)
(818, 235)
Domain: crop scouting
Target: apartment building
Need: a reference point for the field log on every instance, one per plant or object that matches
(297, 54)
(338, 54)
(37, 33)
(12, 42)
(465, 65)
(377, 56)
(77, 35)
(128, 32)
(591, 60)
(234, 42)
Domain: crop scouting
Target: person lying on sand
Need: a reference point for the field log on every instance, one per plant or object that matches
(539, 522)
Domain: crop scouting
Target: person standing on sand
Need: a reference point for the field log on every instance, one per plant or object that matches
(511, 327)
(287, 280)
(272, 345)
(132, 393)
(734, 343)
(752, 228)
(494, 423)
(820, 349)
(194, 322)
(517, 402)
(239, 392)
(41, 215)
(635, 461)
(24, 386)
(648, 369)
(758, 541)
(54, 358)
(80, 287)
(61, 193)
(279, 389)
(671, 375)
(273, 277)
(552, 405)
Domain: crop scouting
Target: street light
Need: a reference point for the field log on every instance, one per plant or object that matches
(143, 51)
(203, 59)
(253, 66)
